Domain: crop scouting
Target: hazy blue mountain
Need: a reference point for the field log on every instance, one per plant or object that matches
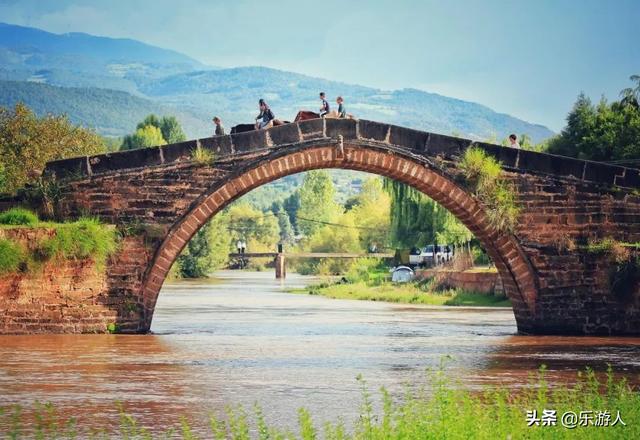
(165, 80)
(34, 51)
(233, 94)
(110, 112)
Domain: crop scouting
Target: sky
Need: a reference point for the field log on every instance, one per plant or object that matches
(527, 58)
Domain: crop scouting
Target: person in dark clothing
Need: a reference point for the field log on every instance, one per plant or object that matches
(342, 113)
(265, 117)
(324, 109)
(219, 127)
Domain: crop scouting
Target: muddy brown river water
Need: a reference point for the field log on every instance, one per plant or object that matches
(240, 339)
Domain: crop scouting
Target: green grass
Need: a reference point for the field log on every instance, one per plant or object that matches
(11, 256)
(202, 156)
(409, 293)
(438, 409)
(85, 238)
(18, 216)
(81, 239)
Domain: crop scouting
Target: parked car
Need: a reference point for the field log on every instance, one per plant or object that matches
(415, 257)
(401, 274)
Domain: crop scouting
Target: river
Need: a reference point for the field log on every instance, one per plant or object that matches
(240, 338)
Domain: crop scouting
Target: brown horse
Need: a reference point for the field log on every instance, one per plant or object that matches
(304, 115)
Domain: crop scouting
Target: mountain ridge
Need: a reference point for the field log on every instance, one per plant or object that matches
(167, 79)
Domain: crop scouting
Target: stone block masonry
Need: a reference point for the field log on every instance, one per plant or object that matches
(555, 285)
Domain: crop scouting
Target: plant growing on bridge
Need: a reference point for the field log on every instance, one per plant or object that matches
(484, 174)
(85, 238)
(11, 256)
(202, 156)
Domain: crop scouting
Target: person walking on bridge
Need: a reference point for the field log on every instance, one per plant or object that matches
(266, 116)
(219, 127)
(324, 108)
(342, 113)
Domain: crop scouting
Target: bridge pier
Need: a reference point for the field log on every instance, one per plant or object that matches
(281, 269)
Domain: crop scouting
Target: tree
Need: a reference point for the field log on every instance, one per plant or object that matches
(167, 131)
(371, 212)
(602, 132)
(207, 251)
(316, 201)
(28, 142)
(171, 130)
(631, 95)
(291, 205)
(259, 230)
(417, 220)
(146, 136)
(287, 235)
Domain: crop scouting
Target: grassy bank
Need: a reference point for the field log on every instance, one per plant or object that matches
(440, 409)
(80, 239)
(409, 293)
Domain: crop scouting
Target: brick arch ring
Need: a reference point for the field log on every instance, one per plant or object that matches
(516, 273)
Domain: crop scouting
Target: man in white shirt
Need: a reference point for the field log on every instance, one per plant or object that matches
(513, 141)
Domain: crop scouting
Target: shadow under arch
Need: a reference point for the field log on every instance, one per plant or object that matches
(516, 272)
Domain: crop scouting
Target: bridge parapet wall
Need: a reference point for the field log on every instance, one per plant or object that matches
(426, 144)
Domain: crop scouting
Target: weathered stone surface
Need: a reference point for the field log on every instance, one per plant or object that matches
(555, 285)
(74, 296)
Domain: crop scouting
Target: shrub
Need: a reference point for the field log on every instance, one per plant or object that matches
(11, 256)
(18, 216)
(484, 174)
(85, 238)
(202, 156)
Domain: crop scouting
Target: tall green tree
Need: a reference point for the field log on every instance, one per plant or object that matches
(417, 220)
(316, 201)
(28, 142)
(153, 131)
(602, 132)
(287, 236)
(291, 205)
(207, 251)
(146, 136)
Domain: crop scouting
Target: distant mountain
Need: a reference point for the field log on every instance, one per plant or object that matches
(110, 112)
(44, 55)
(233, 93)
(163, 80)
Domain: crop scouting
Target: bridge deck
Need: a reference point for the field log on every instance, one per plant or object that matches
(390, 137)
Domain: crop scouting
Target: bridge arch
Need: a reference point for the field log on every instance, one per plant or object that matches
(516, 272)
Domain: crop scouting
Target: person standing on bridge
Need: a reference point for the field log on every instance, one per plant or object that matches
(342, 113)
(266, 116)
(219, 127)
(513, 141)
(324, 108)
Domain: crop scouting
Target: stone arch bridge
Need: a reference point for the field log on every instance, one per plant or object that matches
(557, 285)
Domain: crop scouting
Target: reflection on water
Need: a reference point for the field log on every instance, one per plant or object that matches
(241, 339)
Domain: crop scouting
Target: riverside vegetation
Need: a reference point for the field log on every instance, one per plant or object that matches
(368, 279)
(440, 408)
(83, 238)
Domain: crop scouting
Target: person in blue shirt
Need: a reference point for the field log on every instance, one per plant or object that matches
(324, 109)
(266, 115)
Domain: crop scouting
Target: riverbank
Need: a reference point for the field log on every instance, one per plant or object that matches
(592, 407)
(409, 293)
